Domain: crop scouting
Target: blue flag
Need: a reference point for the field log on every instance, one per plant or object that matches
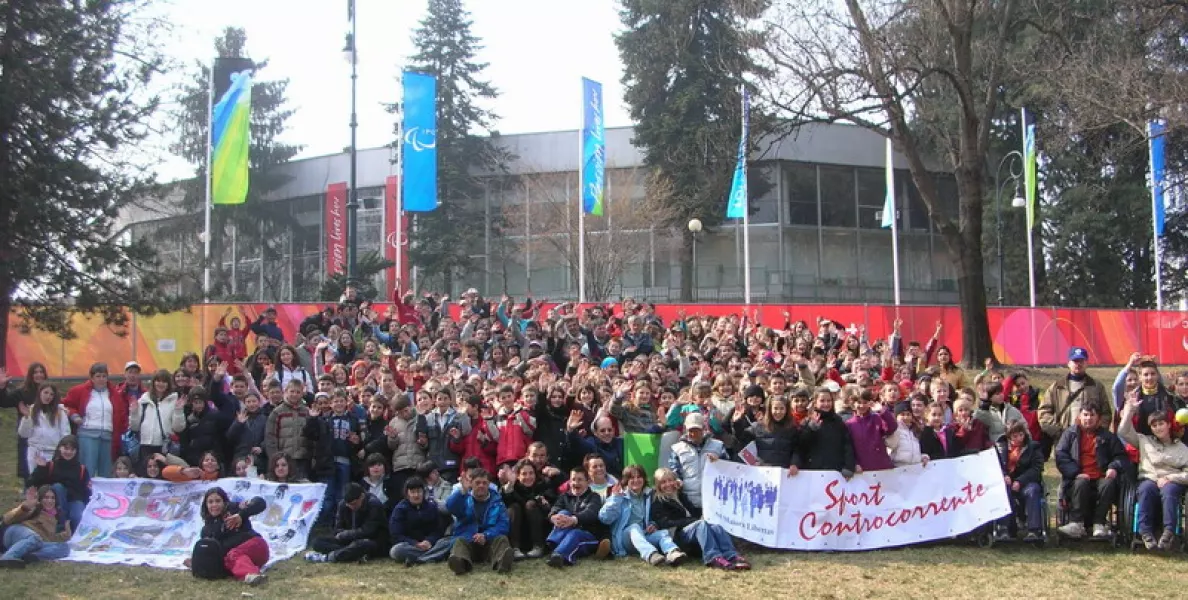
(736, 206)
(1157, 131)
(593, 142)
(419, 152)
(889, 201)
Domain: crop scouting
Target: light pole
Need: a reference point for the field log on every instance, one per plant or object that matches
(352, 55)
(694, 228)
(1009, 161)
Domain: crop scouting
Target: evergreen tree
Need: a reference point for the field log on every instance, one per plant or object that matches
(684, 65)
(259, 225)
(445, 238)
(72, 109)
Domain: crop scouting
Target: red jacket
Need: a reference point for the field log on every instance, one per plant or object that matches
(76, 404)
(225, 353)
(485, 450)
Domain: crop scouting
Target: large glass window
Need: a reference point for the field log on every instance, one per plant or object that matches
(872, 194)
(837, 197)
(801, 184)
(763, 185)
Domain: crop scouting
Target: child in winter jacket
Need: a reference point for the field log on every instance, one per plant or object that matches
(577, 531)
(417, 527)
(282, 430)
(33, 530)
(360, 530)
(46, 425)
(68, 478)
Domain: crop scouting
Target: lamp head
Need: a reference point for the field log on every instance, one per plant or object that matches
(694, 225)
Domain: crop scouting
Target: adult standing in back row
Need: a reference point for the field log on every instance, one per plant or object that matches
(1066, 396)
(96, 408)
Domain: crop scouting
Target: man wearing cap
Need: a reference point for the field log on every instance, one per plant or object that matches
(1066, 396)
(689, 455)
(131, 389)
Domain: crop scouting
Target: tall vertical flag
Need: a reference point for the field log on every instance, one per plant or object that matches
(890, 216)
(1031, 183)
(418, 151)
(230, 130)
(737, 203)
(592, 169)
(1157, 134)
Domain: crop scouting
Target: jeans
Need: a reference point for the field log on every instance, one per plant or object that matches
(22, 541)
(334, 490)
(712, 539)
(1030, 500)
(573, 543)
(492, 551)
(94, 451)
(405, 551)
(71, 511)
(530, 517)
(1151, 497)
(646, 543)
(1092, 498)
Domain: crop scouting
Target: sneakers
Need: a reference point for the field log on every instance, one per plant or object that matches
(720, 563)
(740, 563)
(1032, 537)
(11, 563)
(556, 561)
(459, 565)
(1002, 534)
(604, 549)
(316, 557)
(1075, 531)
(1101, 531)
(675, 557)
(504, 564)
(1149, 541)
(655, 559)
(535, 552)
(1166, 540)
(518, 554)
(254, 579)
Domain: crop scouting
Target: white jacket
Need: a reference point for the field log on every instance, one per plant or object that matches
(903, 447)
(43, 435)
(171, 417)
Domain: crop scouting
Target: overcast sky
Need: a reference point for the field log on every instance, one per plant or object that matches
(537, 51)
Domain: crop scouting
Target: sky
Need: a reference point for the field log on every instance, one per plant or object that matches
(537, 50)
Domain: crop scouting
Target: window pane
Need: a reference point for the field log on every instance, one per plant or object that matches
(918, 219)
(762, 185)
(801, 183)
(837, 197)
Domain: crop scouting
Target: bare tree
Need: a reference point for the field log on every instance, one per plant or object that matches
(544, 222)
(924, 72)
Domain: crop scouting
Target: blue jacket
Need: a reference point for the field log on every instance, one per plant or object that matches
(493, 521)
(616, 513)
(267, 329)
(612, 453)
(412, 524)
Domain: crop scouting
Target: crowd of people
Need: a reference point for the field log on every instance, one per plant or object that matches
(497, 436)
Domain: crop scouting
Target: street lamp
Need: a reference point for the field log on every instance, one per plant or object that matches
(694, 228)
(351, 53)
(1010, 160)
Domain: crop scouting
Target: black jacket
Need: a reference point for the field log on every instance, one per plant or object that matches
(674, 513)
(515, 493)
(1030, 468)
(242, 437)
(318, 430)
(552, 432)
(1110, 453)
(368, 523)
(585, 508)
(930, 444)
(826, 446)
(375, 441)
(70, 473)
(775, 448)
(216, 529)
(203, 433)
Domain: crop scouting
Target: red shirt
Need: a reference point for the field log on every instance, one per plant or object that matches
(1089, 454)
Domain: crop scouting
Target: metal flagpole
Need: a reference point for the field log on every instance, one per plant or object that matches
(746, 220)
(209, 160)
(581, 225)
(894, 220)
(400, 198)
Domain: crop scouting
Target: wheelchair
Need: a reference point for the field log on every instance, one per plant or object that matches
(1122, 515)
(1016, 526)
(1180, 527)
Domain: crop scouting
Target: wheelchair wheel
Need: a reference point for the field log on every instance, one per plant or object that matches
(1125, 515)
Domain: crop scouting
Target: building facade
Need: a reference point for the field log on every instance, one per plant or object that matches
(815, 234)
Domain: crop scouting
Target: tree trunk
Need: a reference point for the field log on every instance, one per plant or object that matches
(977, 345)
(687, 243)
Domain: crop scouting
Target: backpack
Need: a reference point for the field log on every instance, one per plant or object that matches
(206, 562)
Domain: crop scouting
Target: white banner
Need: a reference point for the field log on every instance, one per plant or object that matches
(156, 523)
(820, 510)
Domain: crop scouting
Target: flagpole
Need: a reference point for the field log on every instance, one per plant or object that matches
(1155, 200)
(207, 204)
(581, 229)
(894, 219)
(1030, 224)
(400, 197)
(746, 220)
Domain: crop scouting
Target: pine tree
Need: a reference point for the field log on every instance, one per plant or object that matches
(259, 224)
(684, 65)
(444, 239)
(72, 110)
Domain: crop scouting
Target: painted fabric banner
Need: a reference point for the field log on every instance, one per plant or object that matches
(156, 523)
(820, 510)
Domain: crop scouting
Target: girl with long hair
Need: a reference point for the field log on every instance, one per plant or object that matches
(45, 425)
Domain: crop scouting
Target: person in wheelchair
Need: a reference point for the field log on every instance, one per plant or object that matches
(1163, 472)
(1022, 462)
(1090, 460)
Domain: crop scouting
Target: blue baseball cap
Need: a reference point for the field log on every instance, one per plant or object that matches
(609, 362)
(1078, 353)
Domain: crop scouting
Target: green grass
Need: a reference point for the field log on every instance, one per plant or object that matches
(951, 570)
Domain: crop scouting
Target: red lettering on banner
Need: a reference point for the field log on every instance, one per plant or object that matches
(336, 228)
(811, 528)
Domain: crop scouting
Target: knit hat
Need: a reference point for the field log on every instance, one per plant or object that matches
(753, 391)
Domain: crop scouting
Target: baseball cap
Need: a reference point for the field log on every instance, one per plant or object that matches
(130, 364)
(695, 421)
(1078, 353)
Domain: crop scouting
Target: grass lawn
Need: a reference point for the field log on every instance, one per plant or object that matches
(950, 570)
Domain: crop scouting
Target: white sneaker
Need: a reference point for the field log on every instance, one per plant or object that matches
(518, 554)
(1072, 530)
(535, 552)
(1101, 530)
(255, 579)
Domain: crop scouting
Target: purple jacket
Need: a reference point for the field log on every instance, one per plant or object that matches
(867, 433)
